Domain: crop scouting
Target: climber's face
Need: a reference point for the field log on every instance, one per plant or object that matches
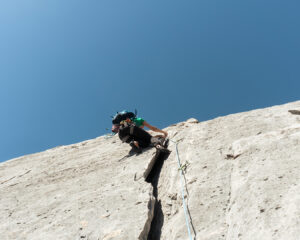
(115, 128)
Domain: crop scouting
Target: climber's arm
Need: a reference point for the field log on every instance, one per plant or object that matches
(155, 129)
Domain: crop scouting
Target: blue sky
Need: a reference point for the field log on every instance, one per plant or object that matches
(67, 66)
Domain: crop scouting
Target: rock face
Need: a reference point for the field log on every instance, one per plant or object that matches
(241, 181)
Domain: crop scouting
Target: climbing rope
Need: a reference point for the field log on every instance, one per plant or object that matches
(187, 215)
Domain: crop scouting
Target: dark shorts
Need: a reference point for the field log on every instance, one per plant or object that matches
(134, 133)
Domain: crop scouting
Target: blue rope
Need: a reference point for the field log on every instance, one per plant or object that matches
(182, 194)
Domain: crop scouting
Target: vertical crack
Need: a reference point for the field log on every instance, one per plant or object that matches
(229, 201)
(153, 178)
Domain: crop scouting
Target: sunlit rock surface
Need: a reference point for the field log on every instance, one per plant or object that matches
(242, 181)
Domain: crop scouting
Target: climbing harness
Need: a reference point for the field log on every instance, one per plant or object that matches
(187, 215)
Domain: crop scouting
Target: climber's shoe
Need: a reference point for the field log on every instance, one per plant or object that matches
(134, 148)
(157, 141)
(166, 143)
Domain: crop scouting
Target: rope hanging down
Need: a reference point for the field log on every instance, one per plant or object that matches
(187, 215)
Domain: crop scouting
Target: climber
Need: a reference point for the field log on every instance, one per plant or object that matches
(130, 129)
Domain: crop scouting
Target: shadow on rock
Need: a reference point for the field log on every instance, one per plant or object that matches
(153, 178)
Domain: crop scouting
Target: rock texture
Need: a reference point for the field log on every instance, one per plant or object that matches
(241, 173)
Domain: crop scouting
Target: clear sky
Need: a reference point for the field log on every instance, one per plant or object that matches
(66, 66)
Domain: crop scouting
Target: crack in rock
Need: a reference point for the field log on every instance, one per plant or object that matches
(151, 208)
(295, 112)
(229, 201)
(152, 230)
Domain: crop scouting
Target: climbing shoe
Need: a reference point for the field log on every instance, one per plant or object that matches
(135, 148)
(166, 143)
(157, 141)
